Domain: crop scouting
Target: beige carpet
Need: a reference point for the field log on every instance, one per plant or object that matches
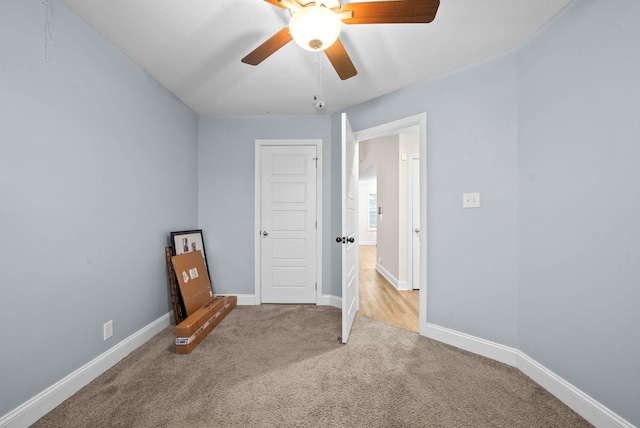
(282, 365)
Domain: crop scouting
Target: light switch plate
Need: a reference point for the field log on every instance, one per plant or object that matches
(471, 200)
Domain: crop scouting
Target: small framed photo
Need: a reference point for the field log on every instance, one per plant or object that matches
(187, 241)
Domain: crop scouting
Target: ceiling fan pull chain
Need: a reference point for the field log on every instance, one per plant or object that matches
(315, 74)
(317, 65)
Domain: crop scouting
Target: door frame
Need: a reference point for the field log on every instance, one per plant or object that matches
(411, 124)
(259, 144)
(411, 232)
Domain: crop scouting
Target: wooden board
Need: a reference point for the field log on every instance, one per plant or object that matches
(179, 312)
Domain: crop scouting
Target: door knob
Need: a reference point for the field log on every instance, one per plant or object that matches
(265, 233)
(417, 230)
(352, 239)
(339, 239)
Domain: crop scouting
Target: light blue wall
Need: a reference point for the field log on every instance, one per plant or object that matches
(471, 147)
(97, 165)
(226, 164)
(579, 200)
(92, 149)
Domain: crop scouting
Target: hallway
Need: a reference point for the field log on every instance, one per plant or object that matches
(379, 299)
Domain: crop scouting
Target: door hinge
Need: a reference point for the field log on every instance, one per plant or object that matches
(316, 224)
(316, 286)
(316, 160)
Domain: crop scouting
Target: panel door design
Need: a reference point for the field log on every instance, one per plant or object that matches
(289, 231)
(349, 237)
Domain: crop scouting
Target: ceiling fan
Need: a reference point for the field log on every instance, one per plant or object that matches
(316, 25)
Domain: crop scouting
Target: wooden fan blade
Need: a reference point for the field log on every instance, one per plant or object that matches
(276, 3)
(392, 12)
(265, 50)
(340, 60)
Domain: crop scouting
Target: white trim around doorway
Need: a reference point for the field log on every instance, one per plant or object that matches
(411, 124)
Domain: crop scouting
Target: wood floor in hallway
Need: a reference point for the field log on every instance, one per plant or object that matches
(379, 299)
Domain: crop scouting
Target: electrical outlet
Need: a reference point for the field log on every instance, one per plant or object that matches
(471, 200)
(108, 329)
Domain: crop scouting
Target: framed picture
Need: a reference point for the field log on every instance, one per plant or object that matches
(187, 241)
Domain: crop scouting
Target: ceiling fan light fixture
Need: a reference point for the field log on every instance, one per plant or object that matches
(315, 27)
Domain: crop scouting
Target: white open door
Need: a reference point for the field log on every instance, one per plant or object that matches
(349, 239)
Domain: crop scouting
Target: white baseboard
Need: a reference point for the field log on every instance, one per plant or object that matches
(587, 407)
(486, 348)
(384, 272)
(399, 285)
(244, 299)
(330, 300)
(403, 286)
(250, 300)
(38, 406)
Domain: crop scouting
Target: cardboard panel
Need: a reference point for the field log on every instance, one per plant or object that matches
(193, 280)
(191, 331)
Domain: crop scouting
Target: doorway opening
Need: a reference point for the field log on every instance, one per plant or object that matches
(385, 229)
(392, 262)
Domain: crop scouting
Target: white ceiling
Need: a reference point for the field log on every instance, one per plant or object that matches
(194, 48)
